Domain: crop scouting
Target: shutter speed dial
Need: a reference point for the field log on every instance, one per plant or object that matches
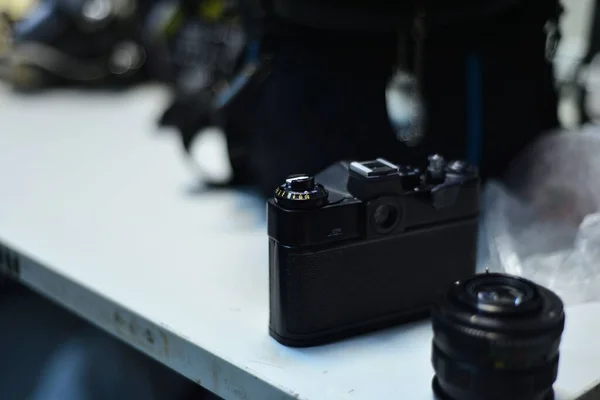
(300, 192)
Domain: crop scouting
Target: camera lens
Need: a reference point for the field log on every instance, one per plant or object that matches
(385, 216)
(496, 337)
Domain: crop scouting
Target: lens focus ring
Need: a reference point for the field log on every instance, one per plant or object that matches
(458, 381)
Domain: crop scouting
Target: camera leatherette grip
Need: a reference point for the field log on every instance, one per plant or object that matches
(320, 296)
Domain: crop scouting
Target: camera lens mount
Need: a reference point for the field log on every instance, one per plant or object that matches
(496, 337)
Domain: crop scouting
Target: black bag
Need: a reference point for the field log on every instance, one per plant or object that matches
(198, 52)
(487, 85)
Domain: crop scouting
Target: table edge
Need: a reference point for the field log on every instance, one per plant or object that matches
(158, 341)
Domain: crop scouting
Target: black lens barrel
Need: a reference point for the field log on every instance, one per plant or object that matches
(487, 346)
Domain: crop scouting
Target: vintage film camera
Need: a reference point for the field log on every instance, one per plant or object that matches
(364, 245)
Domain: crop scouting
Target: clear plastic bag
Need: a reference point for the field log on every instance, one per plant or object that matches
(544, 224)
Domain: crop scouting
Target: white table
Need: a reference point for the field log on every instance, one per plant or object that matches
(98, 209)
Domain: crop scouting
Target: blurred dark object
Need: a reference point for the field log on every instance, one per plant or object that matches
(202, 45)
(484, 74)
(189, 35)
(76, 41)
(383, 15)
(491, 83)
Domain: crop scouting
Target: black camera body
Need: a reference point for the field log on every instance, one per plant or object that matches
(365, 245)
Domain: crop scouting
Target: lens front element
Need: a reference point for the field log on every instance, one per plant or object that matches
(500, 295)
